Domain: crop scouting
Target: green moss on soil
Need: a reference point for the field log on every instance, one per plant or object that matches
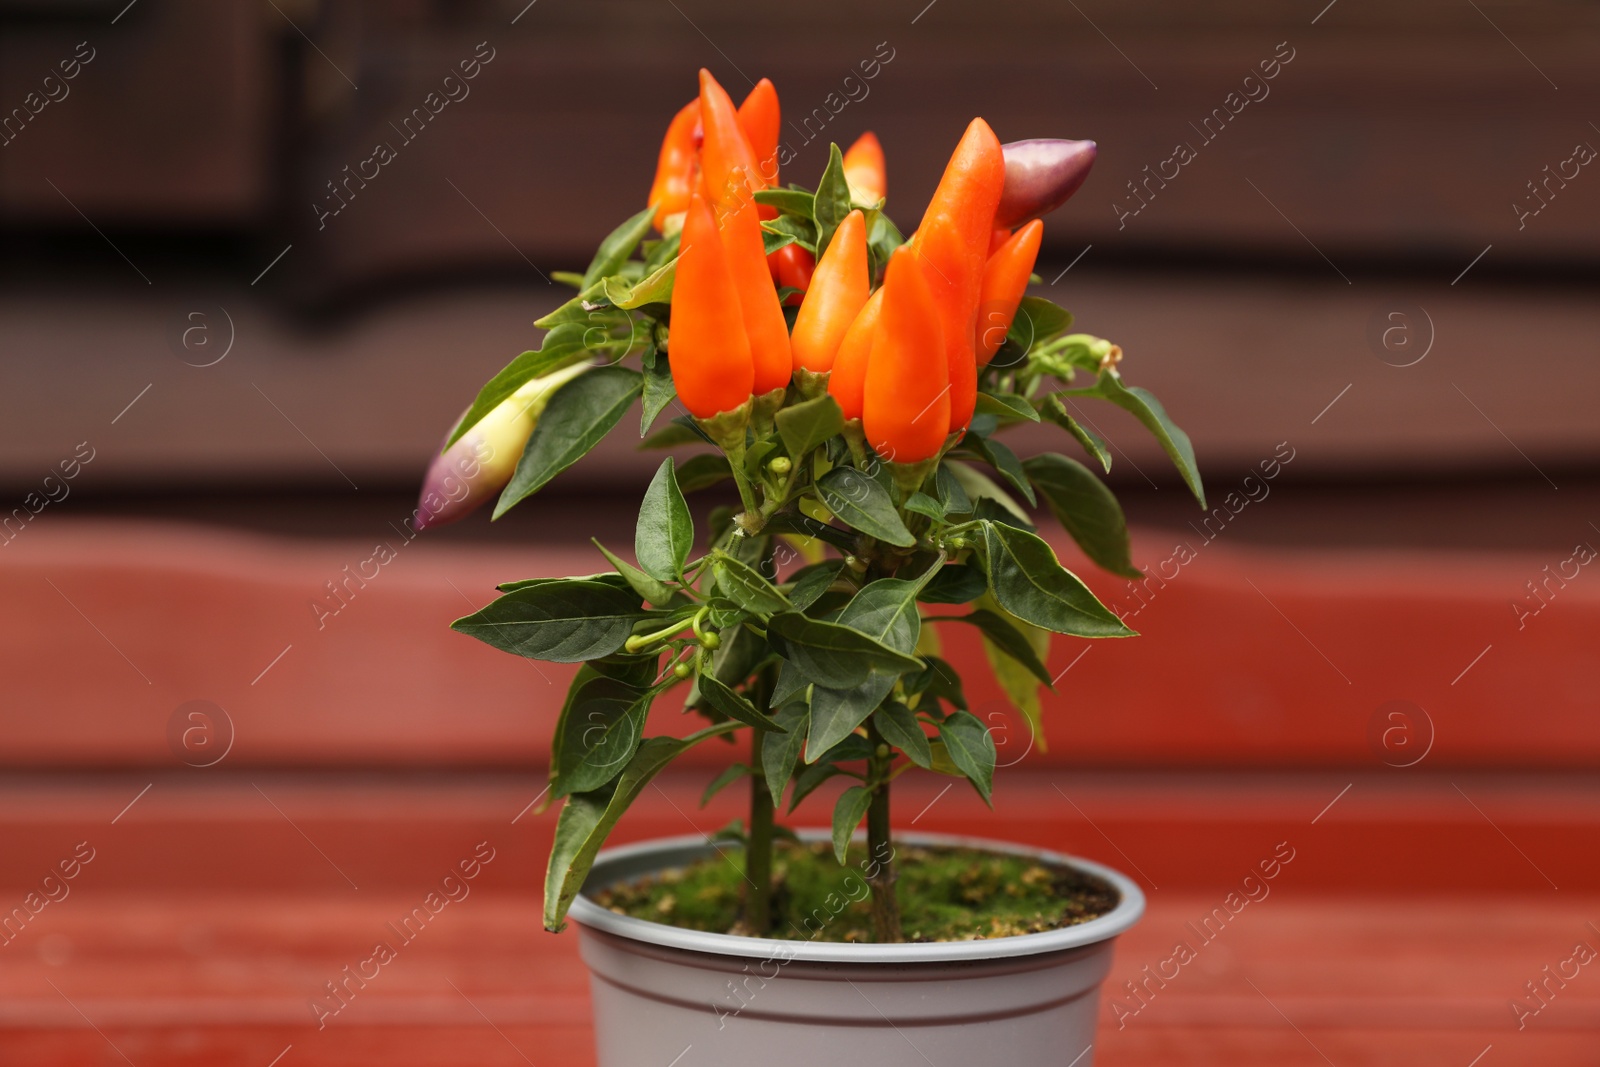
(945, 894)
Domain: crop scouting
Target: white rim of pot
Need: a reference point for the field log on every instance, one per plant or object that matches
(615, 864)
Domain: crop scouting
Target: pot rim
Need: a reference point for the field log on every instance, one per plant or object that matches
(586, 912)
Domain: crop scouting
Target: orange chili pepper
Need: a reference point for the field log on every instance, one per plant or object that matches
(839, 290)
(678, 168)
(864, 169)
(792, 266)
(760, 119)
(954, 279)
(1005, 280)
(969, 191)
(711, 365)
(758, 305)
(906, 406)
(848, 382)
(727, 161)
(997, 237)
(954, 243)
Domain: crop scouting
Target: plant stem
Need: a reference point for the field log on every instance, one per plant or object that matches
(880, 851)
(758, 852)
(752, 518)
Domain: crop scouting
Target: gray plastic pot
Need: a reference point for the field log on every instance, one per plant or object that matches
(667, 997)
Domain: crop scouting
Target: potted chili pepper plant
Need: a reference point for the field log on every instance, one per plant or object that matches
(851, 384)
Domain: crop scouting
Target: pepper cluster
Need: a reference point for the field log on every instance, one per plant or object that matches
(855, 384)
(902, 359)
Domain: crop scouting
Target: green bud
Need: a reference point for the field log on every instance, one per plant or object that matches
(780, 466)
(711, 640)
(680, 670)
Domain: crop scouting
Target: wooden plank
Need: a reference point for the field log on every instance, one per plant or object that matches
(1269, 659)
(231, 977)
(169, 123)
(1336, 142)
(1350, 833)
(376, 396)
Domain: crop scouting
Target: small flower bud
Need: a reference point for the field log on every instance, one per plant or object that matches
(680, 670)
(711, 640)
(780, 466)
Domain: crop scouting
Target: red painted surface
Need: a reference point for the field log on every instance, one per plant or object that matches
(374, 753)
(1247, 659)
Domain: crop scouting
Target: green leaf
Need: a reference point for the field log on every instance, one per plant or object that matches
(653, 288)
(923, 504)
(602, 728)
(577, 416)
(1038, 319)
(834, 655)
(849, 809)
(1006, 406)
(755, 455)
(1019, 684)
(729, 775)
(808, 780)
(1029, 582)
(979, 486)
(633, 671)
(811, 582)
(648, 588)
(864, 505)
(703, 470)
(1002, 459)
(806, 425)
(665, 532)
(941, 682)
(947, 487)
(836, 712)
(745, 586)
(791, 684)
(1087, 509)
(616, 581)
(971, 749)
(1148, 410)
(739, 654)
(658, 388)
(565, 621)
(992, 510)
(956, 583)
(832, 201)
(787, 229)
(567, 277)
(579, 310)
(678, 432)
(882, 239)
(805, 526)
(772, 241)
(562, 347)
(734, 704)
(1007, 638)
(886, 610)
(617, 247)
(658, 253)
(852, 749)
(588, 818)
(787, 201)
(781, 751)
(1055, 411)
(900, 727)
